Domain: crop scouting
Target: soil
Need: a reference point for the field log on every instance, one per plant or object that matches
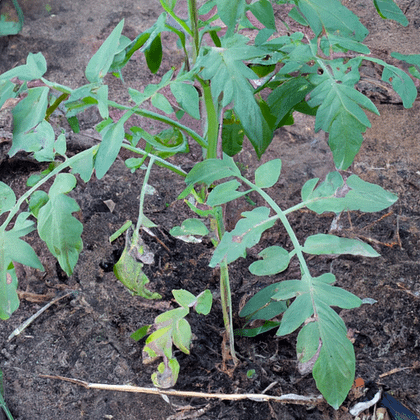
(87, 335)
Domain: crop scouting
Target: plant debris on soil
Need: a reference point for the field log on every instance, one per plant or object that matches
(86, 335)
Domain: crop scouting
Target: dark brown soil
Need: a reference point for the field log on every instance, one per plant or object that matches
(87, 336)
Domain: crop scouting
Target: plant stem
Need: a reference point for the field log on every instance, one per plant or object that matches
(226, 301)
(152, 115)
(159, 160)
(212, 121)
(282, 216)
(58, 169)
(143, 193)
(192, 12)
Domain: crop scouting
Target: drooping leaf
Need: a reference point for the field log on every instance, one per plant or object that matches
(275, 260)
(181, 335)
(190, 227)
(9, 300)
(154, 54)
(112, 138)
(283, 98)
(261, 306)
(187, 98)
(387, 9)
(340, 110)
(100, 63)
(60, 230)
(27, 114)
(263, 11)
(229, 75)
(321, 244)
(230, 12)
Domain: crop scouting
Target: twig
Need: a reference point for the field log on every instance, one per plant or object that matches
(22, 326)
(286, 398)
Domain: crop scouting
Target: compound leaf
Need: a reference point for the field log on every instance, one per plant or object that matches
(223, 193)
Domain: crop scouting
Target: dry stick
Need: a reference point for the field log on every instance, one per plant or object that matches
(286, 398)
(22, 326)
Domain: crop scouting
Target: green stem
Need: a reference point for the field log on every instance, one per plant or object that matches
(176, 18)
(193, 15)
(159, 160)
(212, 120)
(55, 105)
(58, 169)
(226, 301)
(282, 216)
(152, 115)
(143, 193)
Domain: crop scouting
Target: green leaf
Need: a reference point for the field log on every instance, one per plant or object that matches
(172, 316)
(212, 170)
(153, 54)
(275, 260)
(284, 97)
(187, 97)
(387, 9)
(37, 200)
(7, 90)
(268, 174)
(230, 12)
(190, 227)
(100, 63)
(7, 198)
(260, 306)
(253, 332)
(334, 370)
(9, 300)
(160, 102)
(333, 17)
(184, 298)
(140, 333)
(223, 193)
(60, 230)
(340, 111)
(27, 114)
(321, 244)
(181, 335)
(336, 196)
(229, 75)
(129, 268)
(368, 197)
(63, 183)
(102, 96)
(112, 138)
(263, 11)
(204, 302)
(246, 234)
(35, 68)
(84, 167)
